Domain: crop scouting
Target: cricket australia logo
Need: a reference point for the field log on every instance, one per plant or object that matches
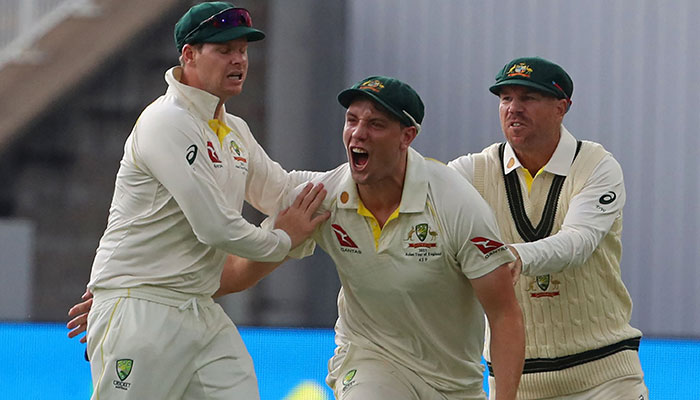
(421, 242)
(236, 151)
(124, 367)
(547, 286)
(348, 379)
(239, 155)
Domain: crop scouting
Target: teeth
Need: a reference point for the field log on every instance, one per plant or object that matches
(516, 123)
(359, 151)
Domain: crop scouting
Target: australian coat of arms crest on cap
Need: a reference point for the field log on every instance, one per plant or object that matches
(521, 69)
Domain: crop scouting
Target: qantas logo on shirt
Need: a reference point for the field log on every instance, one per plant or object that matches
(486, 246)
(343, 237)
(212, 154)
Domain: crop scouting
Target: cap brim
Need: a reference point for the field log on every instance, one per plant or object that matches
(251, 34)
(346, 97)
(496, 89)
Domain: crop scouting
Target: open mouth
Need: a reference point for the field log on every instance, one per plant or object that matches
(236, 76)
(359, 157)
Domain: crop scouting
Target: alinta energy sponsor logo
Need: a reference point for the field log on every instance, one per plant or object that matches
(487, 246)
(346, 243)
(124, 367)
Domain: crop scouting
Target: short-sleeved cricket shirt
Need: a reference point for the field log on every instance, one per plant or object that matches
(405, 288)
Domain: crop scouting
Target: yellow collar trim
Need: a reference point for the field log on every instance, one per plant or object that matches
(376, 229)
(220, 129)
(529, 178)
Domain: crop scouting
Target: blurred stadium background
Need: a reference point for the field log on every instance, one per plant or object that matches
(75, 74)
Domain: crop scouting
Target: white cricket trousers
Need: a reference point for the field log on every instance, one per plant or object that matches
(153, 343)
(623, 388)
(355, 373)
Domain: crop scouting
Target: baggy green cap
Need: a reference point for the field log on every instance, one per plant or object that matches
(537, 73)
(189, 28)
(396, 96)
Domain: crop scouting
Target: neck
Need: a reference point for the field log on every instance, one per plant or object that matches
(533, 158)
(533, 162)
(188, 78)
(383, 197)
(219, 109)
(380, 200)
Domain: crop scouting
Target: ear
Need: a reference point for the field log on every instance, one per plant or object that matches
(408, 134)
(188, 54)
(563, 106)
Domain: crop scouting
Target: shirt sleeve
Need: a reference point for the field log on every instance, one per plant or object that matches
(307, 247)
(168, 148)
(474, 231)
(464, 165)
(590, 216)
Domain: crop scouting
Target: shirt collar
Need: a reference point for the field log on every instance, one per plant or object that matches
(415, 186)
(199, 102)
(558, 164)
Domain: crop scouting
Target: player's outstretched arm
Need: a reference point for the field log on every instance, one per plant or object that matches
(300, 219)
(240, 274)
(496, 294)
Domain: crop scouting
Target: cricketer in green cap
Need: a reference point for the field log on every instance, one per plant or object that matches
(215, 22)
(537, 73)
(397, 97)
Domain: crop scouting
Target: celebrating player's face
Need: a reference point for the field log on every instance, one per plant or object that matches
(529, 118)
(376, 144)
(221, 68)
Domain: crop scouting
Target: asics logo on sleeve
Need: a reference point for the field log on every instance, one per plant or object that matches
(607, 198)
(191, 154)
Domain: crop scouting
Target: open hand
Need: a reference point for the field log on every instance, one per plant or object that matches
(298, 220)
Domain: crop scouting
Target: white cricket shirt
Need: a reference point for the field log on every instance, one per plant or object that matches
(178, 196)
(405, 288)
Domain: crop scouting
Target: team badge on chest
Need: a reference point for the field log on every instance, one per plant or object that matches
(239, 155)
(543, 286)
(421, 241)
